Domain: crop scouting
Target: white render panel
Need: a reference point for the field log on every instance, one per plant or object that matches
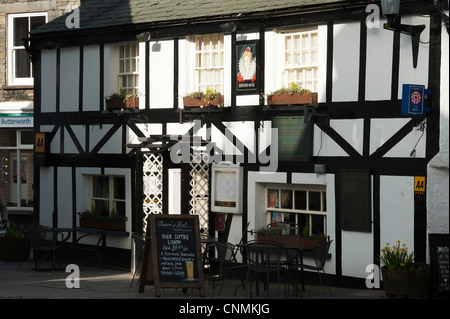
(69, 79)
(346, 61)
(69, 145)
(161, 74)
(46, 198)
(91, 78)
(397, 210)
(48, 83)
(383, 129)
(352, 131)
(322, 84)
(379, 63)
(64, 180)
(407, 73)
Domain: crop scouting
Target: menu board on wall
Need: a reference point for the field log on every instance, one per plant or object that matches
(174, 252)
(355, 197)
(439, 259)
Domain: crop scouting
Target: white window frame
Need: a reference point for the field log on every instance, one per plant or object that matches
(12, 80)
(209, 71)
(111, 200)
(301, 68)
(8, 178)
(134, 89)
(294, 210)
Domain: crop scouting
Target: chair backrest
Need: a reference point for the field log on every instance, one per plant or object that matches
(320, 253)
(265, 253)
(43, 237)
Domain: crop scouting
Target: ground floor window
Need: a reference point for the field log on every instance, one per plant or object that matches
(17, 168)
(304, 206)
(108, 195)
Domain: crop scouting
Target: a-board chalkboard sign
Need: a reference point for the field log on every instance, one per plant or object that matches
(355, 196)
(439, 259)
(173, 249)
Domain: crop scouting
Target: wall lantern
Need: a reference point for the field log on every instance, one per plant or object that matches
(391, 9)
(143, 37)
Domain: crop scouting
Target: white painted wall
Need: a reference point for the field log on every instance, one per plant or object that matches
(397, 210)
(69, 79)
(161, 80)
(437, 186)
(91, 78)
(48, 81)
(46, 196)
(346, 61)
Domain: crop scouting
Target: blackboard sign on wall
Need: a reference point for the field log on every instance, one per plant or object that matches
(356, 200)
(174, 251)
(439, 260)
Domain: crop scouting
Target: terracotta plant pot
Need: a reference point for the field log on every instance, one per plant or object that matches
(103, 222)
(118, 104)
(409, 284)
(204, 101)
(292, 99)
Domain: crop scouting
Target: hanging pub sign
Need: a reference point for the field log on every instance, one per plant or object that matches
(247, 75)
(413, 99)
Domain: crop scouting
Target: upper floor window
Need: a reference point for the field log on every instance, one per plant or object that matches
(301, 59)
(209, 68)
(20, 71)
(129, 68)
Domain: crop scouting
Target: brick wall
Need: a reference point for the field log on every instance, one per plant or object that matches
(54, 9)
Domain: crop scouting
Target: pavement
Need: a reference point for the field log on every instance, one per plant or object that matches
(17, 281)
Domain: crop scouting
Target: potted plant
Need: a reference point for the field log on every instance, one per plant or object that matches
(200, 99)
(94, 220)
(122, 101)
(294, 95)
(14, 246)
(402, 276)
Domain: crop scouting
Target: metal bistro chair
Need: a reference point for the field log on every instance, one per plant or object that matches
(219, 257)
(44, 242)
(320, 254)
(264, 259)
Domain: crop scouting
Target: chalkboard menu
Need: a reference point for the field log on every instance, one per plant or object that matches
(355, 197)
(174, 253)
(439, 250)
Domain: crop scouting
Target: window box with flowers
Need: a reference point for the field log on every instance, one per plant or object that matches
(402, 276)
(211, 98)
(294, 95)
(122, 101)
(92, 220)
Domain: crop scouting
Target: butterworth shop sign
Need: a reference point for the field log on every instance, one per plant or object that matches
(16, 120)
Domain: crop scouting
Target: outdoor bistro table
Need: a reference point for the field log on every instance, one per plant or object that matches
(101, 233)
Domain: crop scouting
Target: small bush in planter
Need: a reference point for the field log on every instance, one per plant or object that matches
(13, 245)
(292, 95)
(94, 220)
(200, 99)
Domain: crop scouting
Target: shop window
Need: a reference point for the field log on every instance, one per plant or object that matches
(129, 68)
(16, 168)
(305, 207)
(108, 195)
(20, 71)
(209, 65)
(301, 59)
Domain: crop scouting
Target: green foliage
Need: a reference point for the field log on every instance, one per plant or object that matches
(210, 93)
(292, 89)
(12, 231)
(122, 95)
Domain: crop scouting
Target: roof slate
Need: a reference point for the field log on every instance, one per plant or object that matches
(96, 14)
